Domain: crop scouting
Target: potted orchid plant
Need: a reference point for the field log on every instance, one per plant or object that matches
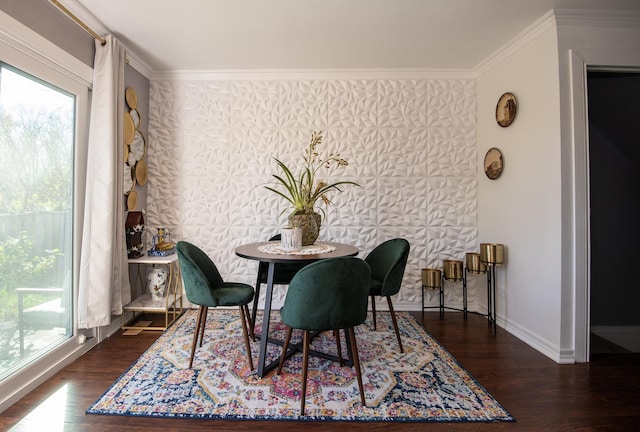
(303, 189)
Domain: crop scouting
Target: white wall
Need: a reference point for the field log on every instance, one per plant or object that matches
(539, 207)
(410, 143)
(522, 208)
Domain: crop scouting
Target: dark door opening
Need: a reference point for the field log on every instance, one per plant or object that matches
(614, 185)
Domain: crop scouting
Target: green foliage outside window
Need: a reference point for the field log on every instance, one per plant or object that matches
(19, 267)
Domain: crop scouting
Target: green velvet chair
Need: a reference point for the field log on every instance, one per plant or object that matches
(330, 294)
(387, 261)
(205, 287)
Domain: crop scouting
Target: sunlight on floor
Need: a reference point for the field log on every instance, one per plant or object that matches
(48, 416)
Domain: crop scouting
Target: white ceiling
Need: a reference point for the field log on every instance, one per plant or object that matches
(214, 35)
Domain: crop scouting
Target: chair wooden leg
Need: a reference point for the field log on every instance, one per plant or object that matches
(356, 363)
(256, 296)
(245, 333)
(195, 335)
(336, 334)
(373, 310)
(248, 315)
(305, 367)
(203, 324)
(395, 322)
(285, 346)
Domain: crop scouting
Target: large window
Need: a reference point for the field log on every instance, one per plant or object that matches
(37, 130)
(44, 107)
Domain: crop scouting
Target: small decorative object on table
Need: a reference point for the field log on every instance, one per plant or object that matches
(291, 239)
(162, 244)
(134, 229)
(302, 190)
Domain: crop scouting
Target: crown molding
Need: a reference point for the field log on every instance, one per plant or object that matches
(532, 32)
(597, 18)
(311, 74)
(560, 18)
(135, 62)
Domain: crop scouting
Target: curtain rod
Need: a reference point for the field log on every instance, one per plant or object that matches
(78, 21)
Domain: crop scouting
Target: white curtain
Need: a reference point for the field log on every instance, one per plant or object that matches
(104, 274)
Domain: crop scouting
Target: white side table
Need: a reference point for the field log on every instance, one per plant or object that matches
(170, 304)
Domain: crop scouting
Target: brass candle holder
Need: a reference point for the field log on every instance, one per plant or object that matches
(431, 278)
(474, 263)
(492, 255)
(452, 270)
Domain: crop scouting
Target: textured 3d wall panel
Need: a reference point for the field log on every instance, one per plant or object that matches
(411, 145)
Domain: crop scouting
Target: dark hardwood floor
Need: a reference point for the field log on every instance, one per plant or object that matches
(603, 395)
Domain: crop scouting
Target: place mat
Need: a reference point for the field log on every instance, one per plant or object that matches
(314, 249)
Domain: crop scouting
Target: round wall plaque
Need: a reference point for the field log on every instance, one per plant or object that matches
(493, 163)
(506, 109)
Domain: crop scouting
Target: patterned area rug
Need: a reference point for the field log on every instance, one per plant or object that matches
(425, 384)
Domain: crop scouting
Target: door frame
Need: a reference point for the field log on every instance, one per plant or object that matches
(582, 61)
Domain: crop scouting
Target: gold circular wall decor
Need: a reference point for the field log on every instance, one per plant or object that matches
(132, 200)
(141, 172)
(493, 163)
(129, 129)
(506, 109)
(131, 97)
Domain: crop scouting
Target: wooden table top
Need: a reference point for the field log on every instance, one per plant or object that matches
(251, 251)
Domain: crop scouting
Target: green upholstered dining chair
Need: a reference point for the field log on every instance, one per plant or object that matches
(330, 294)
(282, 275)
(205, 287)
(387, 261)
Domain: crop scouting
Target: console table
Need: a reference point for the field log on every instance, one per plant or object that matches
(170, 305)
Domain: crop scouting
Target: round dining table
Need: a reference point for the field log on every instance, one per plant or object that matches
(270, 252)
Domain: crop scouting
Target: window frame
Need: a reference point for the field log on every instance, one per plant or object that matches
(26, 50)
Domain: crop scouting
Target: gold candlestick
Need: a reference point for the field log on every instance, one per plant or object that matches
(492, 254)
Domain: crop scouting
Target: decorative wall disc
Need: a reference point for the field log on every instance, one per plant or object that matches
(132, 200)
(506, 109)
(131, 160)
(141, 172)
(132, 98)
(135, 116)
(129, 128)
(138, 147)
(127, 177)
(493, 163)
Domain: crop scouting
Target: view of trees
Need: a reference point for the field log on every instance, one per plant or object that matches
(36, 195)
(34, 160)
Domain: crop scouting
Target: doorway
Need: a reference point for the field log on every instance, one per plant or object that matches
(614, 180)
